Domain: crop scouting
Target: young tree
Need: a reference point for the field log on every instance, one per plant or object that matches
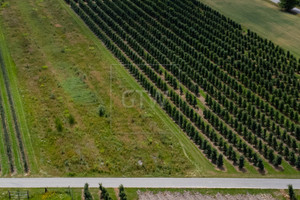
(59, 125)
(277, 161)
(298, 162)
(86, 192)
(122, 194)
(241, 162)
(71, 119)
(292, 158)
(220, 161)
(234, 158)
(297, 133)
(101, 111)
(104, 193)
(214, 156)
(292, 193)
(261, 165)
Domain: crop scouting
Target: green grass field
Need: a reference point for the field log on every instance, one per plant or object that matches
(60, 69)
(265, 18)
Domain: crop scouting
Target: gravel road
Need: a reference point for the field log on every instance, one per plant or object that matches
(198, 196)
(150, 182)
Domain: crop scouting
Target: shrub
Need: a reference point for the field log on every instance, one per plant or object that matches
(101, 111)
(104, 193)
(71, 119)
(220, 161)
(241, 162)
(59, 125)
(122, 194)
(45, 67)
(261, 165)
(292, 193)
(288, 4)
(86, 192)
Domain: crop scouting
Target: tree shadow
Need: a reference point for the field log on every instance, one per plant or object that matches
(243, 170)
(294, 11)
(221, 168)
(262, 172)
(279, 168)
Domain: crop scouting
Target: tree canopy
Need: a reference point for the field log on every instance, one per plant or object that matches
(288, 4)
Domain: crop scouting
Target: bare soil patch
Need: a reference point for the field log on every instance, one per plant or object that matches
(199, 196)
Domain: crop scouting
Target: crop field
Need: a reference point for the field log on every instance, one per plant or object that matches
(265, 18)
(143, 88)
(235, 94)
(51, 80)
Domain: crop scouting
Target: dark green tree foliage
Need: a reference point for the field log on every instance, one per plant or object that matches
(59, 125)
(101, 111)
(220, 162)
(288, 4)
(277, 161)
(86, 192)
(268, 153)
(298, 133)
(234, 157)
(122, 194)
(292, 158)
(292, 194)
(71, 119)
(260, 165)
(241, 162)
(214, 156)
(298, 163)
(104, 194)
